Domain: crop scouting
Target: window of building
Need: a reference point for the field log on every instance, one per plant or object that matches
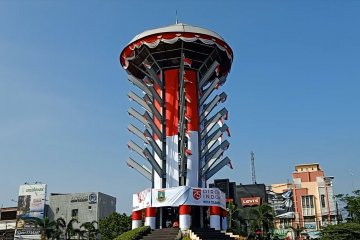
(89, 207)
(74, 213)
(57, 210)
(307, 201)
(322, 198)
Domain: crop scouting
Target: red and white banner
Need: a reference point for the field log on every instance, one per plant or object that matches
(142, 200)
(174, 197)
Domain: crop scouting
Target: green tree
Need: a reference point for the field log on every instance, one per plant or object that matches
(90, 230)
(114, 225)
(235, 219)
(349, 230)
(342, 231)
(262, 218)
(352, 203)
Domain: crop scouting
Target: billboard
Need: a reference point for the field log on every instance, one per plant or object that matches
(31, 203)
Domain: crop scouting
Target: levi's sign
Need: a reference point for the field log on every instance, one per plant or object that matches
(253, 201)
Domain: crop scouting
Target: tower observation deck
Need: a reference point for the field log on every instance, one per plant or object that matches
(180, 70)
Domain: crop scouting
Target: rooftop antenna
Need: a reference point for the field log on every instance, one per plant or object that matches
(253, 176)
(176, 17)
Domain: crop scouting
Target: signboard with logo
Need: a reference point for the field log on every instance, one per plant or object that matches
(310, 225)
(251, 201)
(207, 197)
(90, 198)
(31, 203)
(281, 232)
(183, 195)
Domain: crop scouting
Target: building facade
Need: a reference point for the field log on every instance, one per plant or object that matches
(314, 201)
(7, 223)
(85, 207)
(280, 197)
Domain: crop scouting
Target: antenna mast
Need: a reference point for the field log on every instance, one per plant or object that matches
(253, 176)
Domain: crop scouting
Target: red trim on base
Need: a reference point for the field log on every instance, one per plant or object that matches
(224, 213)
(137, 215)
(150, 212)
(184, 210)
(215, 210)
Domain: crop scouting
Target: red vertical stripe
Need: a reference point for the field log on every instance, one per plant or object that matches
(171, 101)
(192, 106)
(159, 108)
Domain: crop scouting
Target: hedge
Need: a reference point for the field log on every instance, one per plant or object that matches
(134, 234)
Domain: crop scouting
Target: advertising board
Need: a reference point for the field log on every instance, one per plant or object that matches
(31, 204)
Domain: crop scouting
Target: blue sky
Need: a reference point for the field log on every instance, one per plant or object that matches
(293, 92)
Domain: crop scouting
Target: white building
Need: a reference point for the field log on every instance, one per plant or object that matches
(85, 207)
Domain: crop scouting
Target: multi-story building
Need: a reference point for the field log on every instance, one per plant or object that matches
(314, 201)
(85, 207)
(244, 196)
(280, 197)
(7, 223)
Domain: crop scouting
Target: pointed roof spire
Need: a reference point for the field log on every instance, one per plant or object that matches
(176, 18)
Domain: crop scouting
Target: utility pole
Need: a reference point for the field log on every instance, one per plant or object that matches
(253, 176)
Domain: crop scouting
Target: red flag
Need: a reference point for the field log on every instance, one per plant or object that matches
(230, 165)
(146, 64)
(187, 80)
(217, 70)
(148, 82)
(129, 165)
(220, 122)
(188, 152)
(147, 136)
(228, 132)
(187, 62)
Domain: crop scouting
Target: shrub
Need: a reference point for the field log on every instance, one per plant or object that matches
(134, 234)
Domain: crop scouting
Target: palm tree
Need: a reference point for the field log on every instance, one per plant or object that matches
(59, 227)
(79, 233)
(70, 230)
(261, 218)
(91, 230)
(235, 219)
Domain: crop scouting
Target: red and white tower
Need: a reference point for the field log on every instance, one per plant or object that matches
(179, 70)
